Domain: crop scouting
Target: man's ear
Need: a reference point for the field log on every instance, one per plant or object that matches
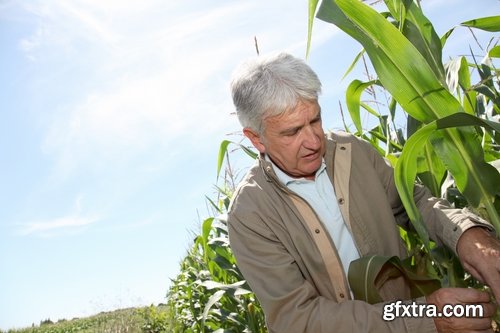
(255, 138)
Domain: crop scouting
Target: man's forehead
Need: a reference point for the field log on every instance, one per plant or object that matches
(301, 110)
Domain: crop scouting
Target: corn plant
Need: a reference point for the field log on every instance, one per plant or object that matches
(453, 131)
(210, 294)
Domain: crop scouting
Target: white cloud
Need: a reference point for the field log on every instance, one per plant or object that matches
(31, 43)
(57, 224)
(72, 222)
(154, 77)
(88, 22)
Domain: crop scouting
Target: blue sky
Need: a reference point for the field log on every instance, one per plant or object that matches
(112, 115)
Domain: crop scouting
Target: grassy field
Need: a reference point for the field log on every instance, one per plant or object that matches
(151, 319)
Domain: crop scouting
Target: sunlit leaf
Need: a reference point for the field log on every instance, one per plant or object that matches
(222, 153)
(420, 32)
(400, 67)
(494, 52)
(485, 175)
(353, 64)
(313, 4)
(353, 100)
(491, 23)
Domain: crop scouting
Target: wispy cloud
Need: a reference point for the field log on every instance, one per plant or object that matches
(155, 86)
(49, 227)
(70, 223)
(154, 80)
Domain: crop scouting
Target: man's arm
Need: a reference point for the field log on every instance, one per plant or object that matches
(445, 223)
(291, 303)
(471, 237)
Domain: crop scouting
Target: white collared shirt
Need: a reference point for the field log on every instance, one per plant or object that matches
(320, 194)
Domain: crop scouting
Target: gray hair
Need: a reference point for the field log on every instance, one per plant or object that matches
(269, 86)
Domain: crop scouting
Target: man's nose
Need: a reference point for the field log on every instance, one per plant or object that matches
(311, 138)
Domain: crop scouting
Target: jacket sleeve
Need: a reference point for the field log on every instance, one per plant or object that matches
(290, 302)
(444, 223)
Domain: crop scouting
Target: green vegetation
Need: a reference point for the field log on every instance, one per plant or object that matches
(210, 294)
(150, 319)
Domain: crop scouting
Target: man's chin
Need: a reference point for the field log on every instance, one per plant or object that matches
(313, 166)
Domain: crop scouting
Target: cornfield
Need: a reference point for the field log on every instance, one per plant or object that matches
(451, 144)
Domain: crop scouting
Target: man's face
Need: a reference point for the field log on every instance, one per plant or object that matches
(294, 141)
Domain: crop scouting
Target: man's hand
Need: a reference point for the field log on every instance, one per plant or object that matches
(479, 253)
(444, 296)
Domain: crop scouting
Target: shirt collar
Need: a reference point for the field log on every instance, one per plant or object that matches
(287, 179)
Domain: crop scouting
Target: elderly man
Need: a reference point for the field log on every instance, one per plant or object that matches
(313, 203)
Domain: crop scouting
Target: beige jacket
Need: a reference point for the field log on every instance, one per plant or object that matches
(290, 262)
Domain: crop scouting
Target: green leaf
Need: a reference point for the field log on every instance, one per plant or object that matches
(445, 37)
(362, 275)
(222, 153)
(420, 32)
(401, 69)
(367, 274)
(494, 52)
(248, 151)
(458, 76)
(210, 303)
(313, 4)
(491, 23)
(431, 171)
(205, 230)
(212, 203)
(354, 62)
(482, 182)
(353, 100)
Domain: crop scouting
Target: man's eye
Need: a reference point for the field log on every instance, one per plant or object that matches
(317, 120)
(291, 133)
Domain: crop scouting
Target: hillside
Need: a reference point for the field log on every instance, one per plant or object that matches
(152, 319)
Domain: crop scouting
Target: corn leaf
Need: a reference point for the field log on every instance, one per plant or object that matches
(401, 68)
(367, 274)
(353, 100)
(406, 168)
(210, 303)
(222, 153)
(491, 23)
(354, 62)
(420, 32)
(494, 52)
(313, 4)
(431, 171)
